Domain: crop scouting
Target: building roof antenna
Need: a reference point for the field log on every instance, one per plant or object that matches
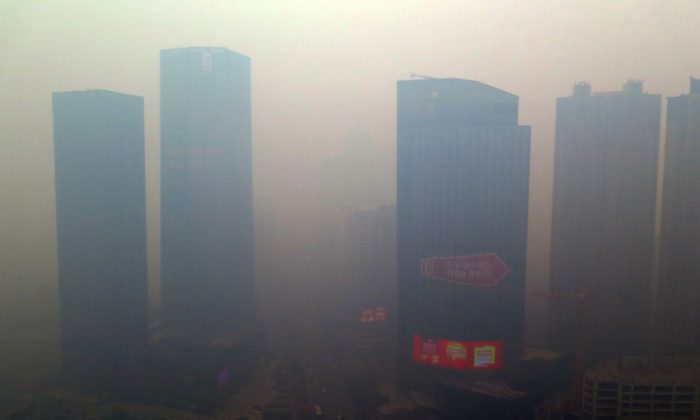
(420, 76)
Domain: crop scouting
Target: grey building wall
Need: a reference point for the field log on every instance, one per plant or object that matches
(678, 310)
(605, 181)
(101, 227)
(462, 189)
(206, 188)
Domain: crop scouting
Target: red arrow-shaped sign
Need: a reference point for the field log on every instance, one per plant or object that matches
(486, 270)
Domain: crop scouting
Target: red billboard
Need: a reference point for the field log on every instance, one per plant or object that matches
(456, 354)
(485, 270)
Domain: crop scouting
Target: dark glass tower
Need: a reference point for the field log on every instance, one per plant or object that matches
(463, 167)
(101, 228)
(206, 189)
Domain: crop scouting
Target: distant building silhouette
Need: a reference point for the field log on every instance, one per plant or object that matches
(101, 229)
(369, 258)
(347, 180)
(368, 285)
(206, 189)
(462, 191)
(604, 203)
(678, 296)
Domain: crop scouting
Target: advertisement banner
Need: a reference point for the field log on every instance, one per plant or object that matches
(425, 350)
(457, 354)
(377, 314)
(380, 314)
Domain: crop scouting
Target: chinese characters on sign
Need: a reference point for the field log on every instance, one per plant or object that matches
(425, 350)
(377, 314)
(485, 270)
(460, 355)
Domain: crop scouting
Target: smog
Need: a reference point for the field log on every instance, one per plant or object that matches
(349, 210)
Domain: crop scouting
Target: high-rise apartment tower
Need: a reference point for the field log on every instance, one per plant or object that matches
(677, 331)
(604, 206)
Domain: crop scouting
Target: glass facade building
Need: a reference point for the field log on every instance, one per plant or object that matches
(206, 189)
(463, 167)
(101, 228)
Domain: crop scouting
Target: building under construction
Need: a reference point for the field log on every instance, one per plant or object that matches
(643, 388)
(633, 388)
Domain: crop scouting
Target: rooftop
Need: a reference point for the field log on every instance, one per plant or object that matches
(648, 369)
(202, 49)
(96, 92)
(454, 88)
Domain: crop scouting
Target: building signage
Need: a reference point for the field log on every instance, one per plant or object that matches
(459, 355)
(377, 314)
(485, 270)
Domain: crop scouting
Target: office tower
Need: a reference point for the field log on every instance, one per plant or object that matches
(206, 190)
(101, 229)
(605, 174)
(678, 297)
(462, 203)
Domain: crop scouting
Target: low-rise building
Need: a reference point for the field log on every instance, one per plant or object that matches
(643, 388)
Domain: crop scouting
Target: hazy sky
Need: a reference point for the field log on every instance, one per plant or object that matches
(320, 68)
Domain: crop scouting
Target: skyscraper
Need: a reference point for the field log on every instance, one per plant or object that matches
(206, 188)
(462, 202)
(101, 228)
(369, 258)
(605, 175)
(368, 285)
(678, 298)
